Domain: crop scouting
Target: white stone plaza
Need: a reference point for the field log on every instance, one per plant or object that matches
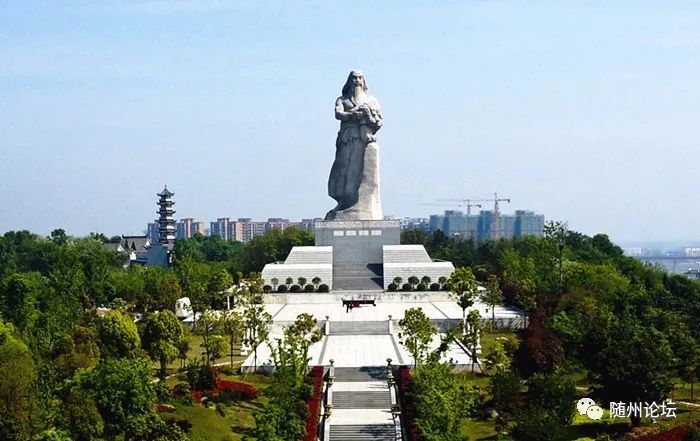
(366, 336)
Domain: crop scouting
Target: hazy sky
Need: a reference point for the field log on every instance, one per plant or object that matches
(586, 111)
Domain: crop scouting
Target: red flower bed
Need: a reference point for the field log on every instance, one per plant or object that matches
(676, 434)
(408, 404)
(245, 390)
(316, 375)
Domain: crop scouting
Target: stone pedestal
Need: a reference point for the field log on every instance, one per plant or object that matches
(358, 241)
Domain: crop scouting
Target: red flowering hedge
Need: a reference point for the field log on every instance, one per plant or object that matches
(678, 433)
(223, 390)
(316, 375)
(408, 403)
(244, 390)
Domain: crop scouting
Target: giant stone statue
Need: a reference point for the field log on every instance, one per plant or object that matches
(354, 178)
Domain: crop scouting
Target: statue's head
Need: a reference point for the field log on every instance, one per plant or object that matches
(355, 78)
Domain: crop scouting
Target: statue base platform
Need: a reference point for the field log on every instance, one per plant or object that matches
(357, 255)
(358, 242)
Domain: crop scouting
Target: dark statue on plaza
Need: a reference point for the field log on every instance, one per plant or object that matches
(354, 178)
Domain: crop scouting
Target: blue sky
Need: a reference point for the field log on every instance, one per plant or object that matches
(584, 111)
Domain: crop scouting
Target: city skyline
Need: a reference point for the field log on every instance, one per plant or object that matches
(583, 112)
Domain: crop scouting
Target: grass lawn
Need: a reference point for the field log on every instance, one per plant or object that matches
(196, 353)
(208, 425)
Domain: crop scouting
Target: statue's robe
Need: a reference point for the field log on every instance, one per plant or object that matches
(354, 178)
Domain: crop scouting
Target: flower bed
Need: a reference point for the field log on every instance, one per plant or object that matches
(316, 375)
(244, 390)
(408, 405)
(678, 433)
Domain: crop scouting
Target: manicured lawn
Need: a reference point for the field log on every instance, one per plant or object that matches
(196, 353)
(208, 425)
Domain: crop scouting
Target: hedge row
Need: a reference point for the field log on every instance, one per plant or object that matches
(297, 288)
(408, 403)
(316, 375)
(420, 287)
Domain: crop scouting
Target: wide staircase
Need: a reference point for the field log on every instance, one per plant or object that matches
(353, 277)
(359, 328)
(362, 406)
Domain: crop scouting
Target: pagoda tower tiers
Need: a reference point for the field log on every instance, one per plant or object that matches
(166, 222)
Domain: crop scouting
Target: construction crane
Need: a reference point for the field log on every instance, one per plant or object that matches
(496, 230)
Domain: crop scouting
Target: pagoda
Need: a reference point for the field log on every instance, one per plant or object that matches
(166, 222)
(159, 254)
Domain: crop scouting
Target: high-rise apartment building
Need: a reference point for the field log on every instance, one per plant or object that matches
(221, 228)
(481, 226)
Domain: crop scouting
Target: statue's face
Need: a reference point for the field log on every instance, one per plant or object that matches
(358, 80)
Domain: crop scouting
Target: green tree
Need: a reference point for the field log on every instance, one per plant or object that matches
(631, 361)
(506, 387)
(284, 417)
(418, 333)
(123, 393)
(397, 280)
(492, 296)
(441, 402)
(84, 420)
(19, 295)
(256, 320)
(413, 280)
(118, 335)
(463, 287)
(275, 281)
(209, 327)
(549, 410)
(316, 281)
(234, 330)
(17, 376)
(302, 281)
(497, 358)
(472, 336)
(162, 333)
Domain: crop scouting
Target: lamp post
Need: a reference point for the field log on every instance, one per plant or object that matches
(389, 373)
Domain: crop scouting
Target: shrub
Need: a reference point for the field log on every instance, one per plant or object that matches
(323, 288)
(421, 287)
(406, 287)
(188, 400)
(267, 288)
(282, 288)
(309, 288)
(435, 287)
(392, 287)
(163, 391)
(181, 389)
(413, 280)
(295, 288)
(200, 376)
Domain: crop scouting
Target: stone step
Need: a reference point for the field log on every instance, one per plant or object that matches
(373, 432)
(362, 400)
(359, 328)
(367, 373)
(362, 283)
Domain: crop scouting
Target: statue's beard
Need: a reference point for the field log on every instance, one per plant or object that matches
(359, 90)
